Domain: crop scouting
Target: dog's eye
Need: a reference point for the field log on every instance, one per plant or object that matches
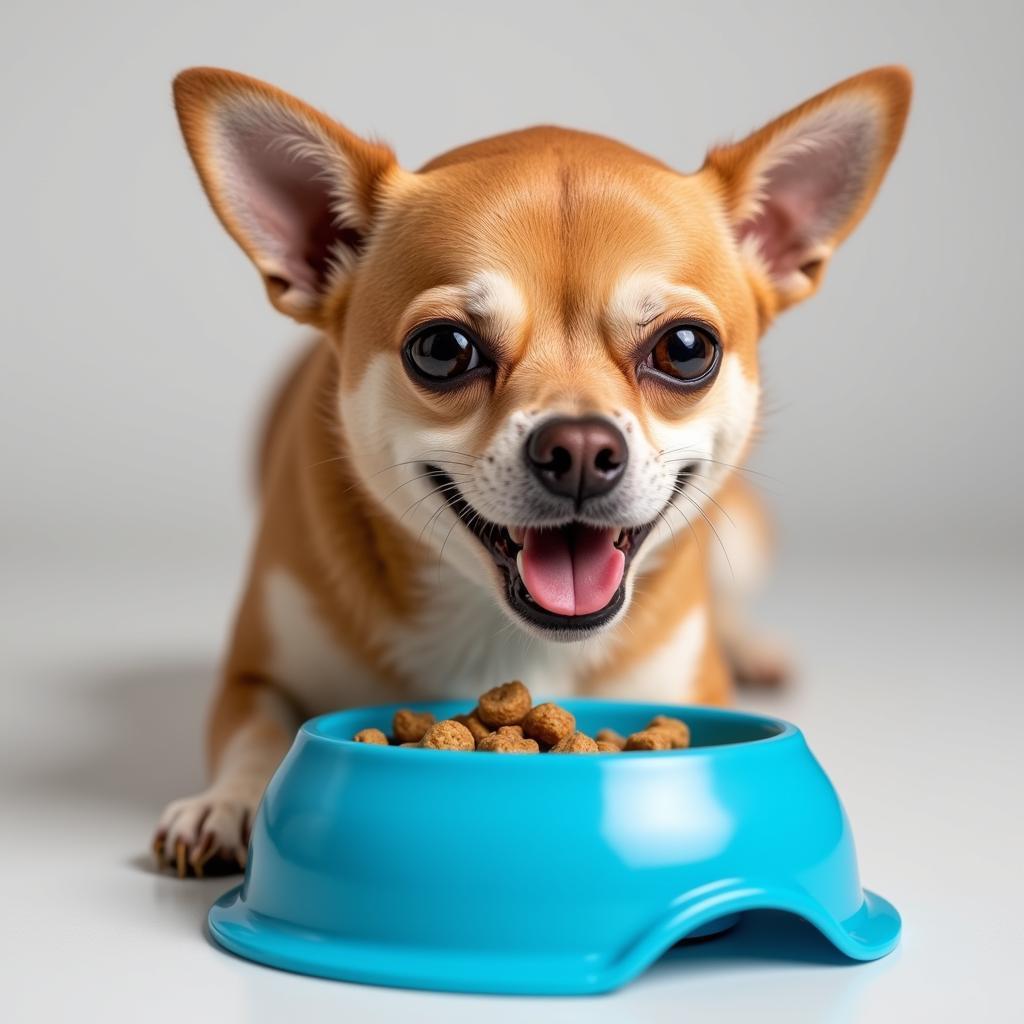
(442, 352)
(686, 353)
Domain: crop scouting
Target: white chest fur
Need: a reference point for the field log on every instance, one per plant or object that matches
(669, 673)
(461, 643)
(306, 659)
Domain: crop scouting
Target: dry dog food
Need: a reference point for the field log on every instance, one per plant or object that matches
(474, 725)
(507, 704)
(506, 722)
(448, 735)
(611, 737)
(549, 724)
(508, 739)
(575, 743)
(678, 731)
(649, 739)
(411, 726)
(371, 736)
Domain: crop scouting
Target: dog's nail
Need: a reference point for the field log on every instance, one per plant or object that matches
(203, 851)
(182, 863)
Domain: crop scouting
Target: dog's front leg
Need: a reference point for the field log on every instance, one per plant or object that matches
(251, 729)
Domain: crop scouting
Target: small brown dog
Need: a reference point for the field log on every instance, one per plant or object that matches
(507, 453)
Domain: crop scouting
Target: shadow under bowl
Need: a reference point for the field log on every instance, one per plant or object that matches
(541, 874)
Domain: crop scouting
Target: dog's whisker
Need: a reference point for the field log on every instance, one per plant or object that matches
(420, 462)
(433, 517)
(394, 465)
(446, 503)
(450, 486)
(459, 517)
(440, 554)
(420, 476)
(453, 451)
(689, 483)
(751, 477)
(717, 462)
(706, 518)
(686, 519)
(664, 519)
(343, 457)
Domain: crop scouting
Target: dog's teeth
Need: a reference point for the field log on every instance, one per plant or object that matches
(519, 563)
(518, 534)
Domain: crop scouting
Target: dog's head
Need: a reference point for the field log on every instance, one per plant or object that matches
(547, 342)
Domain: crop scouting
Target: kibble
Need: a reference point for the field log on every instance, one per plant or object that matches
(508, 739)
(507, 704)
(410, 726)
(575, 743)
(505, 722)
(448, 735)
(678, 730)
(548, 724)
(474, 725)
(374, 736)
(611, 737)
(649, 739)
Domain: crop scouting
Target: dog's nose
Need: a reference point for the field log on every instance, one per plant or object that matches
(577, 458)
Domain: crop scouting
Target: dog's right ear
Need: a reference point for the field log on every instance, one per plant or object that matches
(296, 190)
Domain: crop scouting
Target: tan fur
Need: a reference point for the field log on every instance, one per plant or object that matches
(567, 216)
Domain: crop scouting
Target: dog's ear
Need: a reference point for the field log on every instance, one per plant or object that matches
(296, 190)
(798, 186)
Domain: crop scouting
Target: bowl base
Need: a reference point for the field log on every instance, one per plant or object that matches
(712, 929)
(869, 934)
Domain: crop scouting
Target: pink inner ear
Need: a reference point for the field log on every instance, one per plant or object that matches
(280, 187)
(812, 180)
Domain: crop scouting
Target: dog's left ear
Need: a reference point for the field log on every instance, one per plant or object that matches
(295, 189)
(798, 186)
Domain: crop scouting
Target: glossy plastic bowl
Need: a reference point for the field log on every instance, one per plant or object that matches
(540, 874)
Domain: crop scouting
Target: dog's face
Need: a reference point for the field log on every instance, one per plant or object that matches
(547, 342)
(555, 338)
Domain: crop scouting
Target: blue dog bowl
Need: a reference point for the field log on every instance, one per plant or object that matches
(550, 874)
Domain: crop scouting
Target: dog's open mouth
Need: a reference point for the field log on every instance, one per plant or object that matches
(567, 578)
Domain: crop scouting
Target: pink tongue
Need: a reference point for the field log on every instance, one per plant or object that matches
(574, 571)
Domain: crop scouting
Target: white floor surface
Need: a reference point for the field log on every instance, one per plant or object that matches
(909, 693)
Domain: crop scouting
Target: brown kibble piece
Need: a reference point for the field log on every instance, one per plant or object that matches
(549, 724)
(649, 739)
(610, 736)
(474, 725)
(410, 726)
(374, 736)
(508, 739)
(677, 729)
(575, 743)
(504, 705)
(448, 735)
(504, 722)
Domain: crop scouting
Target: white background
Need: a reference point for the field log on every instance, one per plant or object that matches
(137, 349)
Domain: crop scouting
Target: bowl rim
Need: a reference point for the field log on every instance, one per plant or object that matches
(785, 732)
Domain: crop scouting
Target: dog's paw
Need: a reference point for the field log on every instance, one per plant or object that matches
(760, 661)
(205, 834)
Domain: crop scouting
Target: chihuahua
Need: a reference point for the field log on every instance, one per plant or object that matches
(514, 445)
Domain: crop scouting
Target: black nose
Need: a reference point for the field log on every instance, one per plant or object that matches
(577, 458)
